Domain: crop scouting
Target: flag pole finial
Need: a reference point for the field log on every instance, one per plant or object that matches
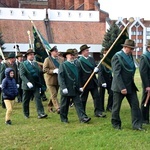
(131, 19)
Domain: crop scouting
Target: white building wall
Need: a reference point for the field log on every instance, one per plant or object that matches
(73, 15)
(61, 47)
(54, 15)
(22, 14)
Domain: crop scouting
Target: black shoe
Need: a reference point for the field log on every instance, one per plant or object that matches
(42, 116)
(8, 122)
(145, 122)
(26, 117)
(109, 109)
(58, 111)
(44, 99)
(19, 100)
(85, 120)
(117, 127)
(3, 105)
(100, 115)
(51, 110)
(139, 129)
(65, 122)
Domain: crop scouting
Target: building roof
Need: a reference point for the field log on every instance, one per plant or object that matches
(62, 32)
(61, 26)
(78, 32)
(16, 30)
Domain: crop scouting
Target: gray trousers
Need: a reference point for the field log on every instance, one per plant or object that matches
(134, 105)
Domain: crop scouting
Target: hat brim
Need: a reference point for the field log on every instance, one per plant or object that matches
(64, 55)
(19, 56)
(128, 46)
(84, 49)
(29, 53)
(10, 57)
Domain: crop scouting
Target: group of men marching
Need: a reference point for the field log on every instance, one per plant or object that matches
(70, 74)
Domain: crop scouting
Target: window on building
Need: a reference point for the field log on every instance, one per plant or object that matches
(147, 29)
(133, 33)
(139, 33)
(148, 33)
(137, 40)
(34, 13)
(140, 41)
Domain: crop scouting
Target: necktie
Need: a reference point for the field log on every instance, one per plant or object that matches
(56, 63)
(32, 63)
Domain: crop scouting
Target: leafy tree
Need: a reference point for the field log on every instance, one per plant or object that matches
(110, 36)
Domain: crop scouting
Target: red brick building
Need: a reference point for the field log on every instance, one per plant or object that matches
(65, 23)
(59, 25)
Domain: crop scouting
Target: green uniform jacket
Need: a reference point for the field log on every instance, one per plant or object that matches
(123, 75)
(144, 69)
(85, 72)
(27, 76)
(67, 79)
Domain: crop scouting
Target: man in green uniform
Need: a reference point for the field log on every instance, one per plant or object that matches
(86, 65)
(144, 69)
(31, 84)
(123, 86)
(68, 79)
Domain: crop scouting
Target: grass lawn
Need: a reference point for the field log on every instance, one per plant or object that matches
(51, 134)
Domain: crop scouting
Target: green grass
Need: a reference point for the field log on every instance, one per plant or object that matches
(51, 134)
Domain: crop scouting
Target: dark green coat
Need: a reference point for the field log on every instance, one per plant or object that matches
(85, 72)
(104, 76)
(68, 79)
(27, 76)
(123, 75)
(144, 69)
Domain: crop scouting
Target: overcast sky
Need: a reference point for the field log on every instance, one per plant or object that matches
(126, 8)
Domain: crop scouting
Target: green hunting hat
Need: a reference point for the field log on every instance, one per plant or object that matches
(69, 51)
(54, 49)
(83, 47)
(129, 43)
(11, 55)
(19, 55)
(29, 51)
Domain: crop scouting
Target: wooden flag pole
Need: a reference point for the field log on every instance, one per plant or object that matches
(130, 20)
(2, 54)
(147, 99)
(30, 42)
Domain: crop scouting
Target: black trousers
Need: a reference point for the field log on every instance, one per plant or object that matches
(64, 107)
(134, 105)
(27, 94)
(102, 91)
(145, 110)
(96, 99)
